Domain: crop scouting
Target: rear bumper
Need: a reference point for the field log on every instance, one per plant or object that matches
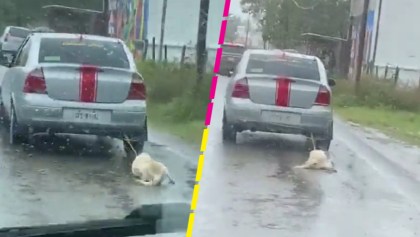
(41, 113)
(246, 115)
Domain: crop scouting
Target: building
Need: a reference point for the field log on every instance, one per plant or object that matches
(397, 40)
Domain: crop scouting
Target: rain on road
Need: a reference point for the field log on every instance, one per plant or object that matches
(250, 189)
(79, 178)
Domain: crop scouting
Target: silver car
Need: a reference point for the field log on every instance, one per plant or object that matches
(279, 92)
(76, 84)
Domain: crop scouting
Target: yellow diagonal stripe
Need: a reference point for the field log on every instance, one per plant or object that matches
(195, 197)
(190, 225)
(199, 168)
(204, 139)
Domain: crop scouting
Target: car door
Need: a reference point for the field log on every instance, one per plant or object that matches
(13, 73)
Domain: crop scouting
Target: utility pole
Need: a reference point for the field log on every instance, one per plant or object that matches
(362, 39)
(247, 30)
(201, 39)
(162, 28)
(377, 33)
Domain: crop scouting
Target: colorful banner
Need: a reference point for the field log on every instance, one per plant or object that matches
(128, 21)
(370, 24)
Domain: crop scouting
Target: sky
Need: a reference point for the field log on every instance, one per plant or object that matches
(235, 8)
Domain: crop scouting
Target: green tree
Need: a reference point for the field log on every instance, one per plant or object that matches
(283, 21)
(7, 13)
(231, 28)
(31, 10)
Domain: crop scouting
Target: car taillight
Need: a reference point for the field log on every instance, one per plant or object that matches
(137, 88)
(35, 82)
(241, 89)
(323, 98)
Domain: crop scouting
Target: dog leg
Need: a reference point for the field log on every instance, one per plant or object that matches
(157, 180)
(331, 170)
(145, 183)
(304, 166)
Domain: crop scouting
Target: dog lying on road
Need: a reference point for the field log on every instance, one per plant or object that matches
(149, 172)
(318, 160)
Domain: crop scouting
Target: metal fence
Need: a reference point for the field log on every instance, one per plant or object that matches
(177, 53)
(401, 76)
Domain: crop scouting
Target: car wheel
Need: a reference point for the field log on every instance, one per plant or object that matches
(229, 132)
(323, 144)
(2, 112)
(17, 133)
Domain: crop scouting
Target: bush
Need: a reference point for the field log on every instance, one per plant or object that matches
(175, 91)
(374, 93)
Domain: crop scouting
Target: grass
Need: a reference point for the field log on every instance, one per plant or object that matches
(379, 104)
(399, 124)
(190, 131)
(176, 102)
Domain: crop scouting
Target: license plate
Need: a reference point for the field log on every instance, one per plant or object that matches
(231, 59)
(87, 115)
(281, 117)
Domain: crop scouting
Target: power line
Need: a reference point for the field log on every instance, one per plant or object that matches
(306, 8)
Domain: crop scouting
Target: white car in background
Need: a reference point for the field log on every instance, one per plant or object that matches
(279, 92)
(13, 37)
(74, 84)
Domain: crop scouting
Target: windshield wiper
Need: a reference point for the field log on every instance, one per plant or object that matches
(145, 220)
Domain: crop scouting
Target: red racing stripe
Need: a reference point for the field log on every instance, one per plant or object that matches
(283, 91)
(88, 84)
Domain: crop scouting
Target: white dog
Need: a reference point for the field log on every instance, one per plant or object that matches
(318, 160)
(149, 172)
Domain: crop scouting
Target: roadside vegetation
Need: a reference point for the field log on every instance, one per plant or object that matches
(381, 105)
(177, 103)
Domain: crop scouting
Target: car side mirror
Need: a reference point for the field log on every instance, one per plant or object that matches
(331, 82)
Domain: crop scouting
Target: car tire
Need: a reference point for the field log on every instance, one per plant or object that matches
(137, 144)
(17, 134)
(228, 131)
(323, 144)
(2, 112)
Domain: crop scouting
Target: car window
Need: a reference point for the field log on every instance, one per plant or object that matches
(18, 32)
(17, 58)
(23, 56)
(283, 65)
(86, 51)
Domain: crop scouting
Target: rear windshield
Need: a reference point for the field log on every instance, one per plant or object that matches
(233, 49)
(17, 32)
(283, 65)
(92, 52)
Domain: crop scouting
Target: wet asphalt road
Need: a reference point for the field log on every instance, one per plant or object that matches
(250, 189)
(79, 178)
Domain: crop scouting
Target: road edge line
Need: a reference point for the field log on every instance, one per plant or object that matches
(207, 121)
